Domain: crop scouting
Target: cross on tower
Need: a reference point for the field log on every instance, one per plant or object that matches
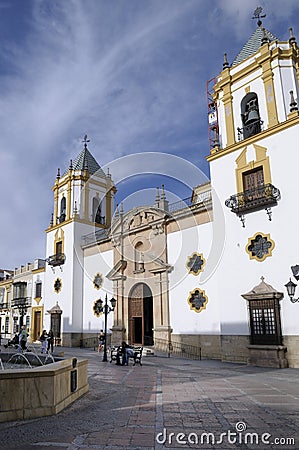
(85, 140)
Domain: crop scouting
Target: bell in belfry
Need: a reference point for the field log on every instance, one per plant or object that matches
(252, 113)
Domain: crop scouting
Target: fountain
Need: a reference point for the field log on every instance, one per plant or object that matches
(25, 392)
(18, 357)
(49, 356)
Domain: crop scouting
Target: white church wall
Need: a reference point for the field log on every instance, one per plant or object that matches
(65, 274)
(237, 273)
(70, 297)
(184, 320)
(102, 263)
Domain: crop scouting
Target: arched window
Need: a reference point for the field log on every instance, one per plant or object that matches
(62, 210)
(138, 257)
(250, 115)
(97, 211)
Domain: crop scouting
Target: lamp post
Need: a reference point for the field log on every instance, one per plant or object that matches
(106, 309)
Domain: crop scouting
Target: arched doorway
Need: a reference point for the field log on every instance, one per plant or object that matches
(141, 315)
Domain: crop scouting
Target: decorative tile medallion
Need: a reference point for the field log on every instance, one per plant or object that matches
(57, 285)
(260, 246)
(98, 281)
(197, 300)
(195, 263)
(96, 311)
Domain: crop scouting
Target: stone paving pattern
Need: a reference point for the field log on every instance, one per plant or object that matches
(128, 406)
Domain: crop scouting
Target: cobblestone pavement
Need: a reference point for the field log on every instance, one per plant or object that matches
(169, 403)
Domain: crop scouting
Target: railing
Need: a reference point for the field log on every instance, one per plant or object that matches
(56, 260)
(23, 269)
(97, 236)
(263, 196)
(93, 341)
(250, 129)
(202, 200)
(178, 349)
(21, 302)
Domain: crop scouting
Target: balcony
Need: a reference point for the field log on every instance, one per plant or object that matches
(21, 302)
(56, 260)
(262, 197)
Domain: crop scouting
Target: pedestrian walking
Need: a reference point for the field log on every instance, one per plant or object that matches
(124, 358)
(101, 340)
(43, 338)
(23, 339)
(50, 341)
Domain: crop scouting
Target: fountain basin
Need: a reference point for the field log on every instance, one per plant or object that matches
(43, 390)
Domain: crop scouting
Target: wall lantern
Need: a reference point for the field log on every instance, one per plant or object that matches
(291, 287)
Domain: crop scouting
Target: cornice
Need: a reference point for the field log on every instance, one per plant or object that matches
(226, 76)
(6, 282)
(40, 270)
(290, 122)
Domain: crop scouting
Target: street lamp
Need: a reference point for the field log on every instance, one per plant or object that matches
(106, 309)
(291, 287)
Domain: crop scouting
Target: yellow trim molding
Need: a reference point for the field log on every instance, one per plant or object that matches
(38, 300)
(243, 166)
(41, 269)
(291, 121)
(59, 237)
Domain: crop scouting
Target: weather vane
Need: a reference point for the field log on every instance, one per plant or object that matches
(85, 140)
(258, 15)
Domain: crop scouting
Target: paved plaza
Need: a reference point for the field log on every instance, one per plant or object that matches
(169, 403)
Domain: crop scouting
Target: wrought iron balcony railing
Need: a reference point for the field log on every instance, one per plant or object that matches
(21, 302)
(56, 260)
(262, 197)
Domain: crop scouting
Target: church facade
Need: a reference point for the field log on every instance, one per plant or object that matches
(209, 271)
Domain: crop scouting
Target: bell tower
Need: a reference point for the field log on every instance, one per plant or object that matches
(254, 100)
(83, 204)
(254, 93)
(253, 166)
(83, 193)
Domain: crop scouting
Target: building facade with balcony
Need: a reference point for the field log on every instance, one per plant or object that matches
(207, 271)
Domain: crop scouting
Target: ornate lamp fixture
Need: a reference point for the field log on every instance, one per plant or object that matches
(291, 286)
(100, 307)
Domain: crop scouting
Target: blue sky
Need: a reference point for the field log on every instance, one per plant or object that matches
(130, 73)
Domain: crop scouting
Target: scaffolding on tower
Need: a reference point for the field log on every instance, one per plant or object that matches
(213, 128)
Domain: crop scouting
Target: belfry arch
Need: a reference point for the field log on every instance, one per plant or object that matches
(140, 315)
